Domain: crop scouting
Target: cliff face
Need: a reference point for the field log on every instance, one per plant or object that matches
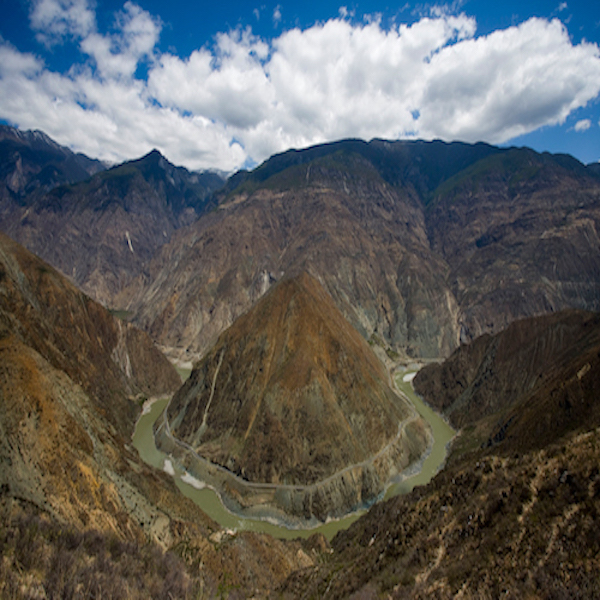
(335, 218)
(291, 394)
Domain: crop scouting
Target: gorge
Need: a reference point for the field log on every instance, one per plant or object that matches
(289, 292)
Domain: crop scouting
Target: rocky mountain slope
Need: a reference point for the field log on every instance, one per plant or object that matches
(516, 517)
(31, 164)
(336, 218)
(292, 395)
(80, 512)
(420, 244)
(70, 377)
(102, 231)
(520, 233)
(526, 386)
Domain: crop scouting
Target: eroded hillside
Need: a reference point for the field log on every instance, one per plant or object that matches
(292, 396)
(422, 245)
(514, 515)
(75, 498)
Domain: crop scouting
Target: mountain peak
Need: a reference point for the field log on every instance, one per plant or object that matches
(153, 154)
(291, 394)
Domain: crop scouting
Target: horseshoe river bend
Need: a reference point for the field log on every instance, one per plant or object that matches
(209, 501)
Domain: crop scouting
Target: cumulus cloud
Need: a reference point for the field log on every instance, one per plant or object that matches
(53, 20)
(245, 98)
(118, 55)
(583, 125)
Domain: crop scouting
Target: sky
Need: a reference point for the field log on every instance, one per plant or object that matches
(226, 85)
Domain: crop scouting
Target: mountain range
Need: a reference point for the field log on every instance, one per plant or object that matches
(420, 256)
(293, 289)
(101, 230)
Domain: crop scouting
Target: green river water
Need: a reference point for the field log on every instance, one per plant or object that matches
(208, 500)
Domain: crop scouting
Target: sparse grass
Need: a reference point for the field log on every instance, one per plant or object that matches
(40, 559)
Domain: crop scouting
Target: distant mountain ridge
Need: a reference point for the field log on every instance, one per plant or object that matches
(421, 244)
(103, 227)
(31, 163)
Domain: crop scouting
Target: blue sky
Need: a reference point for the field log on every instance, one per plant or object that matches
(227, 85)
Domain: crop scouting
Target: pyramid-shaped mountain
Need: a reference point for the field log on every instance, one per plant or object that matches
(291, 394)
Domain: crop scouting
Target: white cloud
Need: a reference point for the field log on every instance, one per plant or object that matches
(55, 19)
(277, 14)
(583, 125)
(118, 55)
(508, 83)
(246, 98)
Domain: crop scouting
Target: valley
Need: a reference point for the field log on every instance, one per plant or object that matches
(294, 299)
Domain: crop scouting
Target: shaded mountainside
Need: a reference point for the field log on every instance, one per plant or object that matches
(524, 387)
(32, 164)
(292, 394)
(520, 233)
(421, 244)
(101, 232)
(519, 517)
(80, 511)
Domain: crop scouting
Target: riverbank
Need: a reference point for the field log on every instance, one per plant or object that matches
(209, 500)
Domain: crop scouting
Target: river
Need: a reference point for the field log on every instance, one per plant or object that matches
(208, 499)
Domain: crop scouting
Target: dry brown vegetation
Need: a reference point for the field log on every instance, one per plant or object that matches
(519, 527)
(41, 559)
